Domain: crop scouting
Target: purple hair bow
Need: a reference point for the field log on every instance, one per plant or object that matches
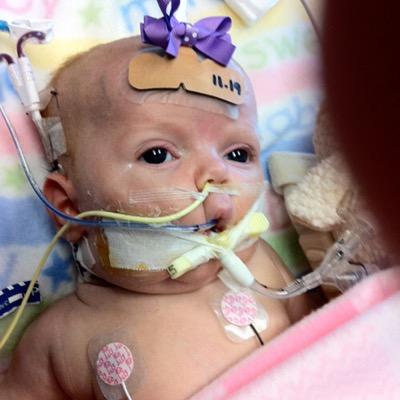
(208, 36)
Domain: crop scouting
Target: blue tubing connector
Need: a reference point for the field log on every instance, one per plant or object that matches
(4, 26)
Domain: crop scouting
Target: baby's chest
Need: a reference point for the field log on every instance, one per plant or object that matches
(176, 349)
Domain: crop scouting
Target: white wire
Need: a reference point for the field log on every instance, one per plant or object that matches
(128, 396)
(312, 19)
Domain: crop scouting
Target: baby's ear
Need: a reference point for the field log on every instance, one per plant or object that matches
(60, 192)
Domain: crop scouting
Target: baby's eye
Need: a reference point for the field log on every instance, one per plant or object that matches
(238, 155)
(156, 155)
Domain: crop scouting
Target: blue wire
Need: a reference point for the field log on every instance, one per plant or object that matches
(4, 26)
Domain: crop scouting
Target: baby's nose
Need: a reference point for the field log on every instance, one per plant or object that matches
(213, 169)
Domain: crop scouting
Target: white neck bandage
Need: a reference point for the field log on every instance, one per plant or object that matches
(176, 252)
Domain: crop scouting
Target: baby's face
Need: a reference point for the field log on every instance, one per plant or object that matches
(121, 152)
(152, 147)
(155, 147)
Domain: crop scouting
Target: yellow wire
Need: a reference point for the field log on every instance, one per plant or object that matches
(148, 220)
(35, 277)
(86, 214)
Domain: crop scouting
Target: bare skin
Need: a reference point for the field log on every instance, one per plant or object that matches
(177, 342)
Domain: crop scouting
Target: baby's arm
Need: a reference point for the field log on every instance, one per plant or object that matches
(50, 362)
(30, 375)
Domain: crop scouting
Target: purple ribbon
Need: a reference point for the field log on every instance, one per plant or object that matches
(208, 36)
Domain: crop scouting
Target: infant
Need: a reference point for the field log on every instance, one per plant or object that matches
(122, 143)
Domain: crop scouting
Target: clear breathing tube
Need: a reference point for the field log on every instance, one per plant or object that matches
(335, 269)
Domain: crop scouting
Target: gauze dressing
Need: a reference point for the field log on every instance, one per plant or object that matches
(156, 250)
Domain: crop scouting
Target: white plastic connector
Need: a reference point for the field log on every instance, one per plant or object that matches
(30, 94)
(16, 80)
(190, 260)
(237, 268)
(20, 27)
(40, 126)
(251, 10)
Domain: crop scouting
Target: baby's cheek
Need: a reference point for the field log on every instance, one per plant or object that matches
(246, 254)
(242, 205)
(140, 203)
(151, 206)
(249, 191)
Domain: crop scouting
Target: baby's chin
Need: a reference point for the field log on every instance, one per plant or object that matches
(159, 282)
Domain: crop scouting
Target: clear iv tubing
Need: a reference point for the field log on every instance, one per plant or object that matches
(122, 221)
(335, 270)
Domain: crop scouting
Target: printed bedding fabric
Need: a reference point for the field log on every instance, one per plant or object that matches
(279, 52)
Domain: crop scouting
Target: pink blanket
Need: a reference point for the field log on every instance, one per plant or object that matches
(349, 349)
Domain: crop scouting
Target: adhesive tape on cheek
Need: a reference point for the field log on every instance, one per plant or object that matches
(156, 250)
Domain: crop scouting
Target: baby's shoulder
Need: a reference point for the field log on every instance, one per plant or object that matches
(46, 354)
(269, 267)
(64, 332)
(270, 270)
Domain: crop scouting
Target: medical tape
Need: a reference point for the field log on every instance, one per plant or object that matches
(241, 316)
(223, 80)
(136, 197)
(181, 97)
(55, 132)
(150, 70)
(122, 250)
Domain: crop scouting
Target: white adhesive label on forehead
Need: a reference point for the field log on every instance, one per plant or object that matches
(114, 364)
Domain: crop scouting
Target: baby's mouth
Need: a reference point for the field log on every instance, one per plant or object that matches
(219, 225)
(209, 231)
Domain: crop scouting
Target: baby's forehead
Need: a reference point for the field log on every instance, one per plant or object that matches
(95, 90)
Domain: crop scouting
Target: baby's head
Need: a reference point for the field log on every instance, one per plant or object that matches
(125, 147)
